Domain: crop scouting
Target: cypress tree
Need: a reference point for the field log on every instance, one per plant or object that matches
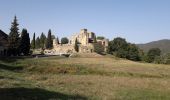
(76, 46)
(49, 42)
(57, 40)
(25, 42)
(37, 43)
(33, 42)
(13, 38)
(42, 40)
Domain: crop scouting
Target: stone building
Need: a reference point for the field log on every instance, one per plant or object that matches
(86, 42)
(3, 43)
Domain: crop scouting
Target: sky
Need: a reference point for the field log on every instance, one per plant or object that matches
(139, 21)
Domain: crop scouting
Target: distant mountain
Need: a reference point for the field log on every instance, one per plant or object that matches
(164, 45)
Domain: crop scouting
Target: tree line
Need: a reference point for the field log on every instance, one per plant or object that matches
(43, 42)
(19, 43)
(119, 47)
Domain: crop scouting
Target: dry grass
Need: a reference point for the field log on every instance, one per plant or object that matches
(95, 78)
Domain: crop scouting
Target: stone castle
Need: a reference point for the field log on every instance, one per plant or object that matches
(86, 41)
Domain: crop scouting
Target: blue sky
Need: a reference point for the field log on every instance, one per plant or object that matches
(139, 21)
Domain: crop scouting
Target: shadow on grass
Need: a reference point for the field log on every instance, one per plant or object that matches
(10, 59)
(35, 94)
(10, 67)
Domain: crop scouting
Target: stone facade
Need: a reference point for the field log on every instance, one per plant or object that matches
(86, 42)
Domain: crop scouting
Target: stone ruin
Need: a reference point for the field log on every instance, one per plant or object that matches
(87, 43)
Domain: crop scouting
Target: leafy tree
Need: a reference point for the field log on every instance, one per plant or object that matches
(25, 42)
(13, 38)
(37, 43)
(49, 42)
(133, 52)
(152, 53)
(116, 44)
(120, 48)
(100, 37)
(76, 47)
(167, 58)
(42, 40)
(33, 42)
(64, 40)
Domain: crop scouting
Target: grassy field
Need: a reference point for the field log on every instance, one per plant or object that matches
(82, 78)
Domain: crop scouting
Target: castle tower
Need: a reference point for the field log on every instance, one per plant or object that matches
(84, 36)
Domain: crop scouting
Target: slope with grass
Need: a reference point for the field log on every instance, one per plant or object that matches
(83, 78)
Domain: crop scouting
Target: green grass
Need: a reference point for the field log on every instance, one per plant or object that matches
(82, 78)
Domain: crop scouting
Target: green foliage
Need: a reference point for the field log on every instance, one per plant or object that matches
(167, 58)
(42, 41)
(99, 48)
(158, 60)
(49, 42)
(13, 38)
(117, 44)
(152, 53)
(33, 42)
(25, 42)
(133, 52)
(100, 37)
(37, 43)
(76, 47)
(64, 40)
(120, 48)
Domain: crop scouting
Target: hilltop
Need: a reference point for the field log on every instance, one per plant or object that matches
(164, 45)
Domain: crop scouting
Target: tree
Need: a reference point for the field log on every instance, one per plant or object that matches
(133, 52)
(167, 58)
(33, 42)
(25, 42)
(49, 42)
(152, 53)
(42, 40)
(64, 40)
(100, 37)
(116, 44)
(37, 43)
(13, 38)
(120, 48)
(76, 47)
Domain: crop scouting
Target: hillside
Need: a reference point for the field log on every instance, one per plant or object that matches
(164, 45)
(82, 78)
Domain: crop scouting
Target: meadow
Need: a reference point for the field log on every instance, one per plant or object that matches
(82, 78)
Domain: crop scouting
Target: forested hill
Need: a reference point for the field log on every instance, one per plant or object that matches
(164, 45)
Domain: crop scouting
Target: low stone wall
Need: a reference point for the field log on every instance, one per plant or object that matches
(65, 48)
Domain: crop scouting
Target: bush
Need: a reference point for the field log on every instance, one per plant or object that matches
(64, 40)
(98, 48)
(152, 54)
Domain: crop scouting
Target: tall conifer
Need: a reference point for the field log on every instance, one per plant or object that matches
(13, 38)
